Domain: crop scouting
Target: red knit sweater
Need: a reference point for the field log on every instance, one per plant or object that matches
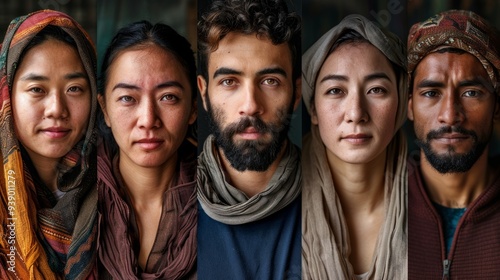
(475, 251)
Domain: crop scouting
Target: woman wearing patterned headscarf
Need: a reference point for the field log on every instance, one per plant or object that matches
(355, 176)
(48, 205)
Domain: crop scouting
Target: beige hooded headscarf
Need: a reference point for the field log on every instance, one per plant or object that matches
(325, 238)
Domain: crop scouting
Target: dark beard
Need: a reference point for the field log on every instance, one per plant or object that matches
(252, 155)
(452, 162)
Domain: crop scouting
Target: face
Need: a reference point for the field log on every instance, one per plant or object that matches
(452, 106)
(355, 103)
(249, 96)
(147, 105)
(51, 99)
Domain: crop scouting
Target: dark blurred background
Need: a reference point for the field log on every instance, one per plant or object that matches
(83, 11)
(115, 14)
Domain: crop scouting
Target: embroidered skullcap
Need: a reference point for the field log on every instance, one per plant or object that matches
(463, 30)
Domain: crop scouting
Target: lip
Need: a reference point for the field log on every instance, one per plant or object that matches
(250, 133)
(449, 138)
(357, 138)
(149, 143)
(56, 131)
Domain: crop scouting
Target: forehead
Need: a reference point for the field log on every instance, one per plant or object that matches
(151, 62)
(356, 59)
(449, 65)
(248, 53)
(52, 49)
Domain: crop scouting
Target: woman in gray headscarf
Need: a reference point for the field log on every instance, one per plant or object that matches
(354, 159)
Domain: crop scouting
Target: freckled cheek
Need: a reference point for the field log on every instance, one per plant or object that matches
(176, 121)
(26, 121)
(329, 115)
(80, 112)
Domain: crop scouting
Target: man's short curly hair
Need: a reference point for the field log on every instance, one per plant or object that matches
(265, 18)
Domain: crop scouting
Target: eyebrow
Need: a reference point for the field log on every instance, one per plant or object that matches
(226, 71)
(430, 83)
(265, 71)
(272, 70)
(38, 77)
(377, 76)
(167, 84)
(371, 77)
(334, 77)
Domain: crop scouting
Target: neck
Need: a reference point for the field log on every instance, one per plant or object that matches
(456, 190)
(360, 187)
(46, 169)
(250, 182)
(146, 185)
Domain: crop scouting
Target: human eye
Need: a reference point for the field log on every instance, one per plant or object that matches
(75, 89)
(126, 99)
(430, 93)
(270, 82)
(36, 90)
(228, 82)
(472, 93)
(335, 92)
(377, 90)
(169, 97)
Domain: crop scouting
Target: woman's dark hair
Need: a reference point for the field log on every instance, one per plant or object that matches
(50, 31)
(141, 34)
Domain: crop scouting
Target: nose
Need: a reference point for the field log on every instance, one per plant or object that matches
(251, 105)
(451, 110)
(148, 115)
(355, 109)
(57, 107)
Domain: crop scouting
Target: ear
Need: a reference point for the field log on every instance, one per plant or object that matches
(496, 116)
(298, 93)
(202, 87)
(314, 115)
(102, 103)
(410, 107)
(194, 112)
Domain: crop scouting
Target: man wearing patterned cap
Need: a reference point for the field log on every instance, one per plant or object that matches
(454, 189)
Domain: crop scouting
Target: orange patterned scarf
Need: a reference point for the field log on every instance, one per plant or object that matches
(40, 237)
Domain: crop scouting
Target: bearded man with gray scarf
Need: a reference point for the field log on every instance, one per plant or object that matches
(249, 175)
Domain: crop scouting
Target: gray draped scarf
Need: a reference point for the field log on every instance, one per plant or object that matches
(226, 204)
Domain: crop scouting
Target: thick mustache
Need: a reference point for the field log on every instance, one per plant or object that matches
(438, 133)
(259, 125)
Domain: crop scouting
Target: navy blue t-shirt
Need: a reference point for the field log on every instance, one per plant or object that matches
(266, 249)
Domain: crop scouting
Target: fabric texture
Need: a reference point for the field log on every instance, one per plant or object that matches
(450, 218)
(265, 249)
(226, 204)
(458, 29)
(476, 244)
(325, 237)
(173, 255)
(46, 238)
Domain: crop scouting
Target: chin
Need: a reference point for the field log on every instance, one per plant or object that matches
(358, 157)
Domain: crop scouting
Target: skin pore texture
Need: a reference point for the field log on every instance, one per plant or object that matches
(51, 99)
(355, 106)
(452, 92)
(249, 78)
(148, 106)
